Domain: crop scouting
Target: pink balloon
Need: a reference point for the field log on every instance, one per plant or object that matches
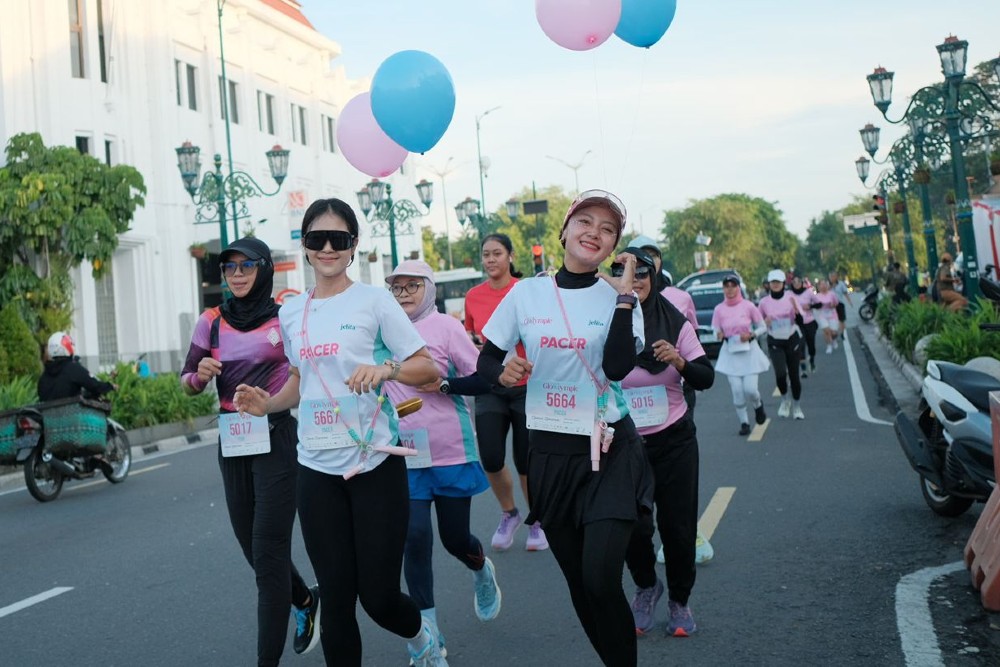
(579, 25)
(362, 141)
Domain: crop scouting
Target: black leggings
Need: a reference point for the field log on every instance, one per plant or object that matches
(591, 558)
(785, 355)
(496, 413)
(260, 497)
(354, 531)
(809, 333)
(453, 526)
(673, 455)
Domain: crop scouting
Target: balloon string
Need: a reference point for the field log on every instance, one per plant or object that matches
(600, 123)
(635, 116)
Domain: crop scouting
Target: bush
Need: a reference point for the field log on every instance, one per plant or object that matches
(21, 348)
(885, 315)
(914, 320)
(154, 400)
(19, 392)
(962, 339)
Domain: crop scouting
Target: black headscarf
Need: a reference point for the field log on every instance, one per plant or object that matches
(257, 307)
(661, 319)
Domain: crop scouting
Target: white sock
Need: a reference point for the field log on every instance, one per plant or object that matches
(418, 644)
(431, 615)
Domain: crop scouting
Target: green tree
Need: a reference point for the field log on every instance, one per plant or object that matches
(748, 234)
(58, 209)
(828, 247)
(20, 347)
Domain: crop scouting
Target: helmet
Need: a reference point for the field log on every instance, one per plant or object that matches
(668, 279)
(60, 345)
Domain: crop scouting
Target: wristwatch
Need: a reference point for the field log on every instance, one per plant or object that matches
(631, 299)
(395, 366)
(445, 387)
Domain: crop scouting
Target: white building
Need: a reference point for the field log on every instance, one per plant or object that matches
(128, 81)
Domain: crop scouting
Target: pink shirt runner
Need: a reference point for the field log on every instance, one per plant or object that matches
(737, 319)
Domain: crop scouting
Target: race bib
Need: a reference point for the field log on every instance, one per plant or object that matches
(322, 428)
(737, 345)
(563, 407)
(648, 406)
(829, 314)
(781, 327)
(416, 439)
(243, 435)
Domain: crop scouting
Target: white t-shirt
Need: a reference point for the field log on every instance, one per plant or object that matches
(530, 313)
(362, 325)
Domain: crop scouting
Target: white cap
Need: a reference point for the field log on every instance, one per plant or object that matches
(776, 274)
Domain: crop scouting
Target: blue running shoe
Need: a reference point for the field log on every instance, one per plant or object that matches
(307, 624)
(681, 623)
(487, 599)
(644, 607)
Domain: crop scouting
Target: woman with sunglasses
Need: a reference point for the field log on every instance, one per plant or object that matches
(341, 339)
(588, 478)
(655, 395)
(502, 410)
(236, 343)
(446, 469)
(737, 323)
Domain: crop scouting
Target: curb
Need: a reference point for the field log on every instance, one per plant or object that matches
(910, 372)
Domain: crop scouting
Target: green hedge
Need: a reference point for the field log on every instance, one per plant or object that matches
(958, 339)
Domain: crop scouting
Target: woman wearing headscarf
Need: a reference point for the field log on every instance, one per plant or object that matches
(655, 396)
(446, 471)
(240, 342)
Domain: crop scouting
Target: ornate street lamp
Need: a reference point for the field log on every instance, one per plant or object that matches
(468, 211)
(388, 217)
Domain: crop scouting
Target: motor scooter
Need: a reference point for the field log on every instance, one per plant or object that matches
(869, 304)
(69, 438)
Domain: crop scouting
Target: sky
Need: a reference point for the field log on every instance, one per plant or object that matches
(763, 98)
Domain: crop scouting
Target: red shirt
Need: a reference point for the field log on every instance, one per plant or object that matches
(480, 302)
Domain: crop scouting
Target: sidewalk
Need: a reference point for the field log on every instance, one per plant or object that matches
(899, 381)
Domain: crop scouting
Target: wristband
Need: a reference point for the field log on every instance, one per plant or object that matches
(395, 366)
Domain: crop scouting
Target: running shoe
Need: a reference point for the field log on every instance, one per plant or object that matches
(759, 415)
(536, 538)
(644, 607)
(440, 643)
(797, 413)
(307, 624)
(681, 623)
(803, 371)
(835, 344)
(660, 558)
(785, 409)
(703, 551)
(829, 349)
(504, 537)
(487, 599)
(744, 429)
(431, 655)
(812, 366)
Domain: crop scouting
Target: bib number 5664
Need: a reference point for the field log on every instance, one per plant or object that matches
(558, 400)
(323, 417)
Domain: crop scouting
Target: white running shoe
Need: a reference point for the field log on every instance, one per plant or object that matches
(785, 409)
(797, 413)
(703, 551)
(829, 349)
(659, 556)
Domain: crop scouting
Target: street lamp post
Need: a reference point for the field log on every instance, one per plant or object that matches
(479, 155)
(575, 167)
(945, 104)
(388, 217)
(441, 173)
(469, 210)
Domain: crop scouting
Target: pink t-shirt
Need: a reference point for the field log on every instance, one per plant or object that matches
(829, 309)
(446, 417)
(781, 312)
(806, 299)
(683, 302)
(737, 319)
(689, 348)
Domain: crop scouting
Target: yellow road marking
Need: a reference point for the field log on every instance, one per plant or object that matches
(132, 473)
(757, 434)
(712, 515)
(776, 393)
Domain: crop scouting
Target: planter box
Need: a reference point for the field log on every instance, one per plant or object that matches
(150, 434)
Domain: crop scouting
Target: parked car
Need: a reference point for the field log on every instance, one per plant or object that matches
(707, 277)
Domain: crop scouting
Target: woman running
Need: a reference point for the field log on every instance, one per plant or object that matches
(446, 470)
(340, 339)
(588, 478)
(502, 409)
(655, 396)
(238, 343)
(737, 323)
(827, 319)
(807, 302)
(780, 310)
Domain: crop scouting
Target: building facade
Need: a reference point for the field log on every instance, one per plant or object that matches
(128, 81)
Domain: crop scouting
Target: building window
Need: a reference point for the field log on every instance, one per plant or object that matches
(76, 38)
(232, 100)
(107, 325)
(101, 51)
(329, 134)
(83, 145)
(186, 78)
(109, 152)
(299, 124)
(265, 111)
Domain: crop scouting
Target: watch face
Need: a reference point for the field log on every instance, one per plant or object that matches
(445, 387)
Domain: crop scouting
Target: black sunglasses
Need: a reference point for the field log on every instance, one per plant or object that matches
(246, 267)
(641, 272)
(317, 240)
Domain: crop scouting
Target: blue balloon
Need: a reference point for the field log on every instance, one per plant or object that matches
(413, 99)
(644, 22)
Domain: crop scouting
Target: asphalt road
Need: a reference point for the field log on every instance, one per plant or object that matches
(823, 520)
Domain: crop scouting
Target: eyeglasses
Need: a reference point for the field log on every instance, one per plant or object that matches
(641, 272)
(246, 267)
(317, 240)
(411, 288)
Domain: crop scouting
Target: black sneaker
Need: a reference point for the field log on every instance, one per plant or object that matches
(307, 624)
(744, 429)
(759, 415)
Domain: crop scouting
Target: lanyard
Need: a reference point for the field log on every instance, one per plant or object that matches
(602, 399)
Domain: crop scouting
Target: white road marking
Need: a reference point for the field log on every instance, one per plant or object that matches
(712, 515)
(860, 402)
(131, 473)
(913, 615)
(34, 599)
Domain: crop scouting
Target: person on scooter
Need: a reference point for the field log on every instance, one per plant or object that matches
(64, 375)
